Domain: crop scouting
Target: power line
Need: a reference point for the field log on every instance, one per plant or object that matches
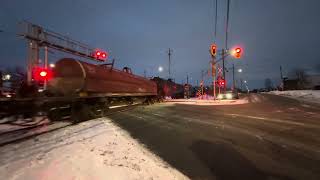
(215, 21)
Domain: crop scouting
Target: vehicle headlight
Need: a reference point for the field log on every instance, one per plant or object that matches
(229, 96)
(220, 96)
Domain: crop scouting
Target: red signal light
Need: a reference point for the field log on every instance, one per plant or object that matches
(213, 49)
(100, 55)
(221, 82)
(42, 74)
(237, 52)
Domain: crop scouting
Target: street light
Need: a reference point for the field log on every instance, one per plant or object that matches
(160, 69)
(52, 65)
(245, 81)
(239, 70)
(6, 77)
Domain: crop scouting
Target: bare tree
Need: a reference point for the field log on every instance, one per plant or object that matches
(17, 77)
(301, 76)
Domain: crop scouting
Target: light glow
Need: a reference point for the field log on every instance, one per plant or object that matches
(220, 96)
(229, 96)
(160, 69)
(52, 65)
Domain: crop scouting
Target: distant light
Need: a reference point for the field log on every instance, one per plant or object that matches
(8, 96)
(7, 77)
(160, 69)
(239, 70)
(52, 65)
(245, 81)
(229, 96)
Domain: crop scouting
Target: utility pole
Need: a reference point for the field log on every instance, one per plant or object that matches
(233, 81)
(187, 79)
(202, 83)
(145, 73)
(169, 55)
(282, 79)
(223, 68)
(226, 42)
(45, 65)
(213, 69)
(281, 76)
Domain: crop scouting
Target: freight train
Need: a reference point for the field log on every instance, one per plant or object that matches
(88, 90)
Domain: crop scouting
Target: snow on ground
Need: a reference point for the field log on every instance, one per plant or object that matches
(96, 149)
(206, 102)
(304, 95)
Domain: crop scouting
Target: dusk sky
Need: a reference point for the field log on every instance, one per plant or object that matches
(139, 32)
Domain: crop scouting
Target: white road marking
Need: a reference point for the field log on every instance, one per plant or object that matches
(125, 105)
(267, 119)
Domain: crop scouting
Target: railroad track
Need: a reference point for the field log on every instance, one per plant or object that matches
(14, 131)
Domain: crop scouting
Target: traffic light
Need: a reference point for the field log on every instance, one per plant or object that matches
(42, 74)
(100, 55)
(237, 52)
(213, 49)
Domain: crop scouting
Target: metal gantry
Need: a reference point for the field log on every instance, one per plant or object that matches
(39, 37)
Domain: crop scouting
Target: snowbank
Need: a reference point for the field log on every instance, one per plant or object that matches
(305, 95)
(96, 149)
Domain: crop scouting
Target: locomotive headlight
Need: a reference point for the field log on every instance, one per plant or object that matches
(229, 96)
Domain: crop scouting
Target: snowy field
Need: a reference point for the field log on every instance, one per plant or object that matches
(303, 95)
(96, 149)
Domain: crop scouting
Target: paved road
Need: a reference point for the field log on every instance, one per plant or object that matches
(271, 137)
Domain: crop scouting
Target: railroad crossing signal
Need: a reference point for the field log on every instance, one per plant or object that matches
(237, 52)
(42, 74)
(213, 49)
(100, 55)
(221, 82)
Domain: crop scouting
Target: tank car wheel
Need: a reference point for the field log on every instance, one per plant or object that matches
(54, 114)
(97, 110)
(79, 112)
(104, 109)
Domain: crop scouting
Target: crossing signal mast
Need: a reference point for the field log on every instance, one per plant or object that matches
(39, 37)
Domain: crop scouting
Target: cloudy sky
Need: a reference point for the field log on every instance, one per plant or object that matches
(138, 33)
